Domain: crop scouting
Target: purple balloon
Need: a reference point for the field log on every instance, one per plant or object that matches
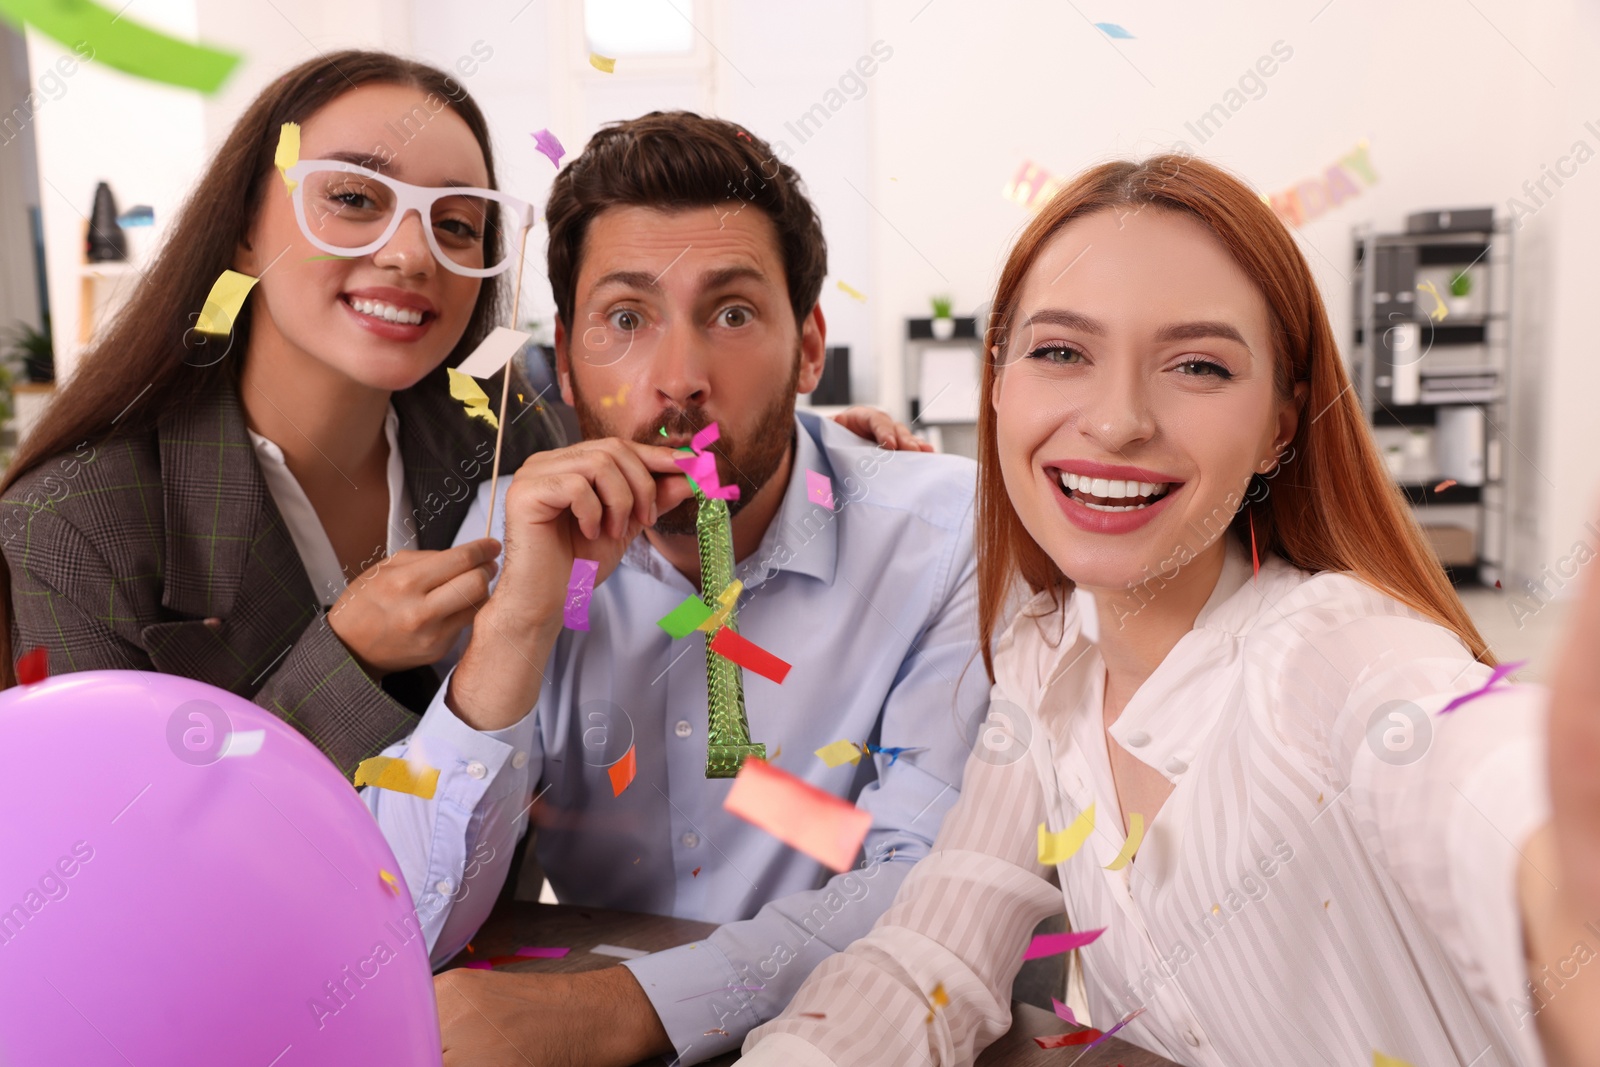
(184, 879)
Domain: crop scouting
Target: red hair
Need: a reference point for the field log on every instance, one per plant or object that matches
(1332, 506)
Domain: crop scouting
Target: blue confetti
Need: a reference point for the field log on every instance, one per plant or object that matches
(1111, 29)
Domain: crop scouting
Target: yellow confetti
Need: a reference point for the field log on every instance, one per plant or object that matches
(851, 291)
(222, 304)
(401, 776)
(602, 64)
(839, 753)
(472, 396)
(1060, 846)
(1131, 845)
(519, 399)
(1216, 909)
(622, 394)
(775, 754)
(288, 153)
(727, 598)
(393, 883)
(940, 999)
(1380, 1060)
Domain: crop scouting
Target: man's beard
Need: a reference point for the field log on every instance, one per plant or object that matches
(752, 461)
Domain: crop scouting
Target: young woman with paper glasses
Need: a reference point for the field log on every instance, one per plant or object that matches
(1340, 854)
(193, 504)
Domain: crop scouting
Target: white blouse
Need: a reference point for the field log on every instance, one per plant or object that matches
(1333, 874)
(305, 528)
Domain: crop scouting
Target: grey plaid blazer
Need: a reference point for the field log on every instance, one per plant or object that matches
(167, 553)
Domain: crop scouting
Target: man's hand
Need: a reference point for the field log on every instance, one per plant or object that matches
(876, 425)
(588, 501)
(602, 1017)
(408, 609)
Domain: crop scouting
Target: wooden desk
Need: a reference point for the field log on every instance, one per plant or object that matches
(514, 924)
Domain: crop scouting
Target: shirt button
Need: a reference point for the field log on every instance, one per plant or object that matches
(1188, 1035)
(519, 761)
(476, 769)
(682, 728)
(1176, 766)
(690, 839)
(445, 887)
(1138, 739)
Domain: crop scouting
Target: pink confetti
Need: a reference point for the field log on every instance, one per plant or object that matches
(580, 587)
(1494, 677)
(543, 953)
(480, 965)
(819, 489)
(546, 142)
(705, 438)
(1063, 1012)
(703, 469)
(1055, 944)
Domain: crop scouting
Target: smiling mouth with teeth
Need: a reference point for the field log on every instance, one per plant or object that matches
(387, 312)
(1113, 494)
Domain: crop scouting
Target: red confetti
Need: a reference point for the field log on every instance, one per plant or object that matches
(34, 666)
(696, 872)
(622, 772)
(1442, 486)
(749, 655)
(746, 136)
(1081, 1037)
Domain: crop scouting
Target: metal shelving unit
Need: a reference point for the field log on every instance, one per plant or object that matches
(1431, 370)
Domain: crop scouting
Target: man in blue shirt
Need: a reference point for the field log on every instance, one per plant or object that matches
(686, 264)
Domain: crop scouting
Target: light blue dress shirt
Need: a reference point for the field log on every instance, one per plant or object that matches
(874, 603)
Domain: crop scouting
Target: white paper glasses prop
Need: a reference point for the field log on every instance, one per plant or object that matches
(347, 210)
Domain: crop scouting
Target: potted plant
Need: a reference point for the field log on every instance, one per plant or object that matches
(34, 350)
(944, 327)
(1461, 302)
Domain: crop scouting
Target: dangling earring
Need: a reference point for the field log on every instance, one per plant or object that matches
(1255, 558)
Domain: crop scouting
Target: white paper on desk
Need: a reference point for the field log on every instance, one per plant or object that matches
(948, 385)
(493, 353)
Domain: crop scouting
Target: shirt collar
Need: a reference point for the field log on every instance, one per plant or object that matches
(803, 537)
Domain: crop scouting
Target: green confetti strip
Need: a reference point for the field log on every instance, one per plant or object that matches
(728, 737)
(685, 619)
(121, 43)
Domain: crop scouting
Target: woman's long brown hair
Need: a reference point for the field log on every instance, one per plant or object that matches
(140, 368)
(1332, 506)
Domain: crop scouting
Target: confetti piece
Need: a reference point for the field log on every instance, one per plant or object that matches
(288, 152)
(1063, 1012)
(1062, 845)
(1111, 29)
(622, 395)
(819, 489)
(222, 304)
(686, 618)
(243, 743)
(696, 872)
(479, 965)
(1442, 486)
(813, 1015)
(602, 64)
(1056, 944)
(839, 753)
(622, 772)
(702, 470)
(1439, 310)
(1216, 909)
(123, 44)
(33, 666)
(580, 589)
(315, 259)
(1494, 678)
(536, 953)
(741, 133)
(715, 1030)
(939, 998)
(894, 754)
(1126, 1019)
(619, 952)
(472, 397)
(705, 438)
(547, 143)
(494, 352)
(852, 291)
(726, 600)
(1380, 1060)
(386, 772)
(775, 754)
(663, 431)
(1080, 1037)
(1131, 845)
(827, 829)
(394, 887)
(749, 655)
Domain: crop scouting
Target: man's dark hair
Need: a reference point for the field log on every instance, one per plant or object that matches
(677, 159)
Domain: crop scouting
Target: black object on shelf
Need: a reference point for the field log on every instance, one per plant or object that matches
(834, 387)
(1452, 220)
(107, 243)
(922, 330)
(1422, 495)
